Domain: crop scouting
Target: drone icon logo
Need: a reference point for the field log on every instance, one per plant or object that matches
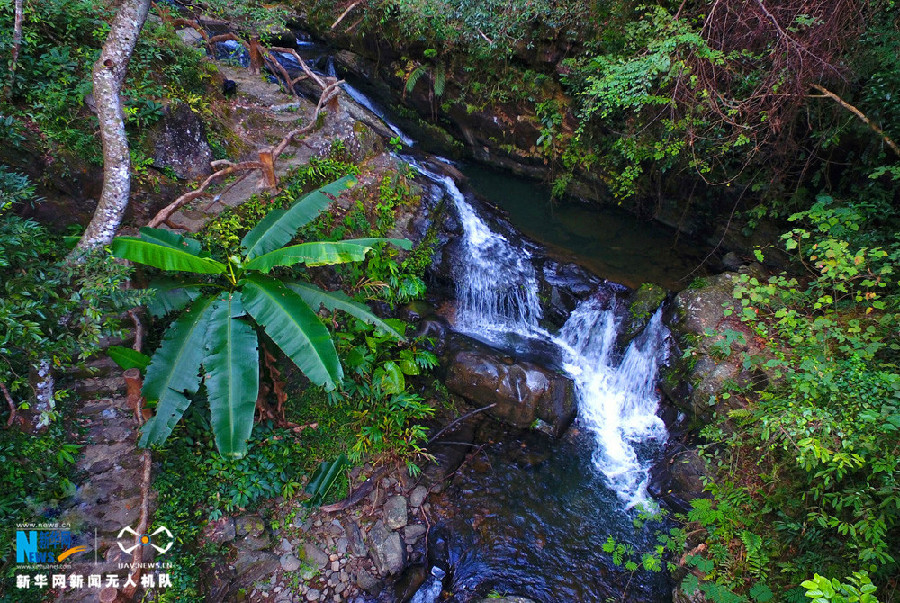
(145, 539)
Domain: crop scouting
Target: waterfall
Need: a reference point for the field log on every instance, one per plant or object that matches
(617, 401)
(366, 102)
(497, 294)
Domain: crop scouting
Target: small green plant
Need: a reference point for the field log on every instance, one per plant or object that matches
(857, 589)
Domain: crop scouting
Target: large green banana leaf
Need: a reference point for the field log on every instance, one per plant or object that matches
(175, 369)
(280, 226)
(294, 327)
(170, 295)
(163, 256)
(321, 253)
(167, 238)
(338, 300)
(232, 375)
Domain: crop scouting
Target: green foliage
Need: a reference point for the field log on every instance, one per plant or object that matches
(857, 589)
(384, 411)
(35, 470)
(324, 478)
(61, 40)
(214, 334)
(50, 308)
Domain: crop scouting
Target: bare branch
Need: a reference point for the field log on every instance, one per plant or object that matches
(12, 405)
(346, 12)
(166, 212)
(862, 116)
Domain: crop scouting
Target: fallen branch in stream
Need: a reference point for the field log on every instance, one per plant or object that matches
(459, 420)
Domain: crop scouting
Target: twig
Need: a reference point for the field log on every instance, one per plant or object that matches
(358, 494)
(166, 212)
(346, 12)
(459, 420)
(12, 405)
(862, 116)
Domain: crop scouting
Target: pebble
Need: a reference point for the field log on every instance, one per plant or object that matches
(335, 566)
(312, 595)
(333, 557)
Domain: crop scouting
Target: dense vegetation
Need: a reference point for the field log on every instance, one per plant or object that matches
(779, 113)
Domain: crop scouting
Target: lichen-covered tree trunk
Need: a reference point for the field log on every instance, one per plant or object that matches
(17, 45)
(109, 75)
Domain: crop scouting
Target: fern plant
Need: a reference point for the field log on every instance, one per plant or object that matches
(218, 333)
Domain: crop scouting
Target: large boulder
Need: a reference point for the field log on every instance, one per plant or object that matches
(522, 391)
(179, 143)
(713, 345)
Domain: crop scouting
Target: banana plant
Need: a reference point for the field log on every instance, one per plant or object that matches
(228, 305)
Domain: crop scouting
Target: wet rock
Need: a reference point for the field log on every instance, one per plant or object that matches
(395, 512)
(522, 392)
(417, 496)
(642, 304)
(314, 555)
(386, 549)
(411, 534)
(680, 481)
(289, 563)
(179, 143)
(563, 286)
(368, 582)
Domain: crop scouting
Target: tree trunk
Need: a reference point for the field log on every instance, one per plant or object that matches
(17, 45)
(109, 75)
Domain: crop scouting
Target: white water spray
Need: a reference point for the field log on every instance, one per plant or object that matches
(617, 401)
(497, 293)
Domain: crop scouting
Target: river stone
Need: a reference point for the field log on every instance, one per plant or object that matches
(289, 563)
(412, 533)
(417, 496)
(522, 391)
(368, 582)
(314, 555)
(386, 549)
(395, 512)
(179, 143)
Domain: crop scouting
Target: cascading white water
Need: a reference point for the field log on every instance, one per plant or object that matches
(617, 401)
(498, 290)
(366, 102)
(497, 293)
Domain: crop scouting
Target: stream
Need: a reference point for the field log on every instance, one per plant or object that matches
(528, 514)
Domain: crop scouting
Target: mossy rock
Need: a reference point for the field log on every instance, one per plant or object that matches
(642, 304)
